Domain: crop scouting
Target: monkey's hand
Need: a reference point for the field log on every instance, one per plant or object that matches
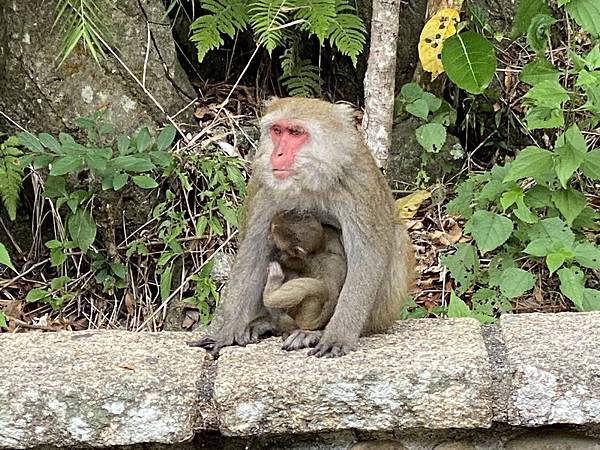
(248, 335)
(301, 339)
(332, 348)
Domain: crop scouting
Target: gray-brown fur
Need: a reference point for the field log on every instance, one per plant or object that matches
(305, 280)
(337, 179)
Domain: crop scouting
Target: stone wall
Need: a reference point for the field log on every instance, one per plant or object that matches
(531, 381)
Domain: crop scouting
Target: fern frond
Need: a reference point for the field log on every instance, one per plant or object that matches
(81, 21)
(300, 77)
(268, 19)
(347, 32)
(226, 17)
(11, 175)
(317, 16)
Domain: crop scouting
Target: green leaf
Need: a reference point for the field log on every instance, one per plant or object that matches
(539, 247)
(144, 140)
(36, 294)
(161, 158)
(539, 70)
(540, 117)
(3, 323)
(591, 165)
(201, 226)
(523, 213)
(431, 136)
(490, 230)
(511, 197)
(119, 180)
(82, 229)
(49, 142)
(538, 31)
(588, 255)
(548, 93)
(554, 229)
(515, 282)
(591, 300)
(5, 257)
(31, 142)
(570, 202)
(165, 283)
(145, 182)
(411, 92)
(526, 11)
(166, 137)
(118, 269)
(586, 14)
(457, 307)
(123, 145)
(132, 163)
(418, 108)
(530, 162)
(567, 162)
(66, 164)
(572, 284)
(59, 282)
(555, 260)
(469, 61)
(463, 266)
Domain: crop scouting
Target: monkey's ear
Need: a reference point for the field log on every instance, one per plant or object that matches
(343, 111)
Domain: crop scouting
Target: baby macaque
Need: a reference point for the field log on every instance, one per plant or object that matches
(305, 280)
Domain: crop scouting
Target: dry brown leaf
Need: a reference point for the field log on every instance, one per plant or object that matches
(129, 303)
(452, 236)
(406, 207)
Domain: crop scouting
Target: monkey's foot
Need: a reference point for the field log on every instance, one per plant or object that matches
(275, 273)
(331, 349)
(301, 339)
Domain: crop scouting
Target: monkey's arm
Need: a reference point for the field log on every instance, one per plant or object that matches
(367, 259)
(242, 317)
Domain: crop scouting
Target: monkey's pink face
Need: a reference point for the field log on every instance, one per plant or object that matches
(287, 137)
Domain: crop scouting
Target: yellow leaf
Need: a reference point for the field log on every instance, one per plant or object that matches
(406, 207)
(440, 27)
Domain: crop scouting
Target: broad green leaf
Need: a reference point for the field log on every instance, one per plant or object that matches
(431, 136)
(131, 163)
(530, 162)
(418, 108)
(540, 117)
(55, 187)
(524, 213)
(433, 103)
(3, 323)
(555, 229)
(96, 163)
(567, 162)
(161, 158)
(82, 229)
(526, 11)
(591, 300)
(586, 13)
(463, 265)
(539, 247)
(119, 180)
(411, 92)
(118, 269)
(145, 182)
(228, 213)
(556, 259)
(59, 282)
(123, 145)
(31, 142)
(592, 59)
(166, 137)
(165, 283)
(591, 165)
(573, 137)
(469, 61)
(538, 31)
(66, 164)
(490, 230)
(572, 284)
(515, 282)
(36, 294)
(457, 307)
(562, 2)
(548, 93)
(588, 255)
(570, 202)
(511, 197)
(49, 142)
(5, 257)
(144, 140)
(539, 70)
(201, 226)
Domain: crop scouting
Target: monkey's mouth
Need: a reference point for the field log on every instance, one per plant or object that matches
(282, 174)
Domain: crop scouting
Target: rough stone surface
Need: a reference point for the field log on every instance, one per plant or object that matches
(41, 97)
(428, 373)
(552, 441)
(98, 388)
(554, 360)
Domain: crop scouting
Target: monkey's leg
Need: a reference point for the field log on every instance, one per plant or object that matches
(292, 292)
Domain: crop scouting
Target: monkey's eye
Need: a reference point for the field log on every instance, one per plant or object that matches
(276, 129)
(296, 131)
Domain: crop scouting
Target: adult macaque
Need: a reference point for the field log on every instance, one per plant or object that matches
(312, 158)
(305, 280)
